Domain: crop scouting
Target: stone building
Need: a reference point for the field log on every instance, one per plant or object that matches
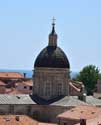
(51, 84)
(84, 112)
(51, 71)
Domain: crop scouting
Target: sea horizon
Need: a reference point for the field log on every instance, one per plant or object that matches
(29, 72)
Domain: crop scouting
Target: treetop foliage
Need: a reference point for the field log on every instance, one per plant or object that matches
(89, 76)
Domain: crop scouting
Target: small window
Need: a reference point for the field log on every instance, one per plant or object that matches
(25, 87)
(30, 87)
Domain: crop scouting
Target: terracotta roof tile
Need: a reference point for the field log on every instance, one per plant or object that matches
(85, 111)
(11, 75)
(23, 120)
(94, 121)
(11, 120)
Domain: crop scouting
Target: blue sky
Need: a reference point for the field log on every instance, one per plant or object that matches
(25, 25)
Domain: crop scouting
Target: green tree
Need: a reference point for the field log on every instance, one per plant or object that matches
(89, 76)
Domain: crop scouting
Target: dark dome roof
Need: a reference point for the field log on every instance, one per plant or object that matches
(52, 57)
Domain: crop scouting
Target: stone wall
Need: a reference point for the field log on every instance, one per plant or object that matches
(47, 113)
(14, 109)
(49, 83)
(44, 113)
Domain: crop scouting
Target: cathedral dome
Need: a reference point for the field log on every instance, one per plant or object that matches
(52, 56)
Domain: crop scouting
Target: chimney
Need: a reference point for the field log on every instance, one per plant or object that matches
(83, 95)
(17, 118)
(82, 121)
(24, 75)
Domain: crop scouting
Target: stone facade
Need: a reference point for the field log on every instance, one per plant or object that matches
(47, 113)
(49, 83)
(44, 113)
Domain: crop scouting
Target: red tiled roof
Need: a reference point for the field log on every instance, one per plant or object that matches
(11, 75)
(82, 111)
(11, 120)
(23, 120)
(94, 121)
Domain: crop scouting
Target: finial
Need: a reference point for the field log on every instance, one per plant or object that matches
(53, 35)
(53, 28)
(53, 21)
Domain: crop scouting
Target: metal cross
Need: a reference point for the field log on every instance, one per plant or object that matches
(53, 21)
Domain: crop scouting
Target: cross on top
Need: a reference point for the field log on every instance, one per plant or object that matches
(53, 21)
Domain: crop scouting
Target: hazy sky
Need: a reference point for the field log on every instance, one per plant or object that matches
(25, 25)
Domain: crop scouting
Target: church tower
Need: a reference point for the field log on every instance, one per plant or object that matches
(51, 70)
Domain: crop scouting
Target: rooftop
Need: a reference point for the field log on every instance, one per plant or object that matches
(94, 121)
(82, 111)
(11, 75)
(16, 99)
(69, 101)
(17, 120)
(93, 101)
(61, 101)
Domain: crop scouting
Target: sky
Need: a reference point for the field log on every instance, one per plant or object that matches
(26, 24)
